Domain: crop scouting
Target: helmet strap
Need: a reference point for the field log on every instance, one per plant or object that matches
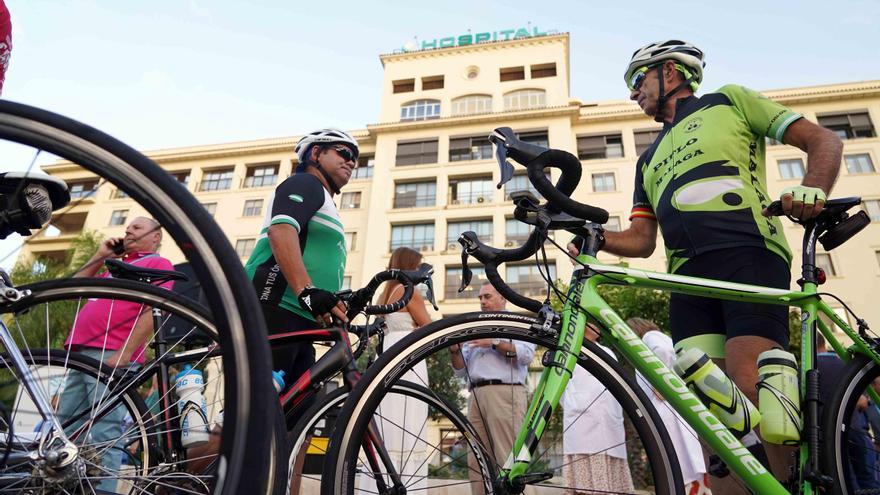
(664, 97)
(330, 182)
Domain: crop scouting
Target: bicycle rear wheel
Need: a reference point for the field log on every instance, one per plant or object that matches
(850, 452)
(648, 451)
(245, 462)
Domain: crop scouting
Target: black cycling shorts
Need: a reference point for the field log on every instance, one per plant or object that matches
(295, 358)
(707, 323)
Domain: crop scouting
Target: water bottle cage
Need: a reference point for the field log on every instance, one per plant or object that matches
(191, 406)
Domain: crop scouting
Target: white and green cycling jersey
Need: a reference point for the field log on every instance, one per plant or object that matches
(302, 202)
(704, 178)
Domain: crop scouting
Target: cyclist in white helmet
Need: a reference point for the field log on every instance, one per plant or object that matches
(299, 260)
(703, 182)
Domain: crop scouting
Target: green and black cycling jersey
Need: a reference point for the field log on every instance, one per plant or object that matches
(704, 177)
(302, 202)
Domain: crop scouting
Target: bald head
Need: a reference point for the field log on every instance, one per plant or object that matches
(490, 299)
(143, 234)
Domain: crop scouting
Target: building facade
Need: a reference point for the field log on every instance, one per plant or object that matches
(426, 171)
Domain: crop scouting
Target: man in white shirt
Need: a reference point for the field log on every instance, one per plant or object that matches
(684, 439)
(496, 371)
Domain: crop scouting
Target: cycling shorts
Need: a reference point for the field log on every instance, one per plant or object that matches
(708, 323)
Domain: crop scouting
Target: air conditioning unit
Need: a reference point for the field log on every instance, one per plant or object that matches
(426, 247)
(480, 199)
(509, 244)
(452, 246)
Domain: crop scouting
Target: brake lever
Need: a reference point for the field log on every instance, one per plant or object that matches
(429, 283)
(466, 273)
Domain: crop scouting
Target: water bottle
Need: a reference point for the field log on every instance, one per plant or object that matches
(779, 397)
(717, 391)
(278, 380)
(192, 407)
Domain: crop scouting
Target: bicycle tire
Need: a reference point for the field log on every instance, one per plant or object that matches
(837, 426)
(318, 411)
(44, 294)
(246, 462)
(338, 475)
(132, 402)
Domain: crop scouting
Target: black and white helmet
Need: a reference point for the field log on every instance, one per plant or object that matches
(680, 51)
(324, 136)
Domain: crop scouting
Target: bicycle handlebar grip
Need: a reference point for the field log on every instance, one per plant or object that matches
(558, 196)
(393, 274)
(508, 293)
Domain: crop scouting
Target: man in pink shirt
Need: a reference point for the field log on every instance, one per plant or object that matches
(114, 332)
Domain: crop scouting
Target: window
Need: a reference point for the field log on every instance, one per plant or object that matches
(346, 283)
(598, 147)
(472, 104)
(544, 70)
(859, 164)
(644, 140)
(516, 232)
(252, 208)
(849, 125)
(470, 148)
(521, 182)
(118, 217)
(525, 99)
(217, 180)
(483, 229)
(791, 169)
(404, 85)
(512, 73)
(351, 240)
(872, 208)
(470, 191)
(453, 282)
(420, 110)
(613, 224)
(82, 189)
(604, 182)
(432, 82)
(527, 280)
(416, 152)
(877, 255)
(350, 200)
(182, 177)
(244, 247)
(823, 261)
(261, 175)
(211, 208)
(538, 138)
(364, 169)
(415, 194)
(119, 194)
(416, 236)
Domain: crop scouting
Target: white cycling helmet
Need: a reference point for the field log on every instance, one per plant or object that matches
(324, 136)
(680, 51)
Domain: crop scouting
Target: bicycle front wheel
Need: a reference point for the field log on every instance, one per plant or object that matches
(246, 463)
(644, 454)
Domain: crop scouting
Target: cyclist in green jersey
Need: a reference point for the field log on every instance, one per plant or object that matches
(703, 182)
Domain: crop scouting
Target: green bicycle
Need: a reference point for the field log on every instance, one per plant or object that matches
(823, 456)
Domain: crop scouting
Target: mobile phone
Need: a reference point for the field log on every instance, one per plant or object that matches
(118, 248)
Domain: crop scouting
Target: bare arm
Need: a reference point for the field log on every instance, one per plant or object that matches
(284, 242)
(416, 308)
(105, 250)
(638, 241)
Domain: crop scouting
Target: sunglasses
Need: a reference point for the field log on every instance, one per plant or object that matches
(638, 77)
(345, 153)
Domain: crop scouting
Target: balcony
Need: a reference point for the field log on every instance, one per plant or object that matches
(476, 198)
(417, 244)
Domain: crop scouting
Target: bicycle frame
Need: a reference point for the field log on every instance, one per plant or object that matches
(583, 299)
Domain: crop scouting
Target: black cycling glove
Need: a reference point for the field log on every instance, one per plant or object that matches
(317, 301)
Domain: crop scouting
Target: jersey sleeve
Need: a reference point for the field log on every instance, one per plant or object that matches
(641, 204)
(296, 201)
(765, 116)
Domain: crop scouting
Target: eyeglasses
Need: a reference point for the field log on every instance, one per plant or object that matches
(638, 77)
(346, 153)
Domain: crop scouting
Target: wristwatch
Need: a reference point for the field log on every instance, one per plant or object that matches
(495, 343)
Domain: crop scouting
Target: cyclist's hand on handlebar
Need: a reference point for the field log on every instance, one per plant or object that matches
(801, 202)
(323, 305)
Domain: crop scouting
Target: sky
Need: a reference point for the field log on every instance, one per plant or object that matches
(162, 73)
